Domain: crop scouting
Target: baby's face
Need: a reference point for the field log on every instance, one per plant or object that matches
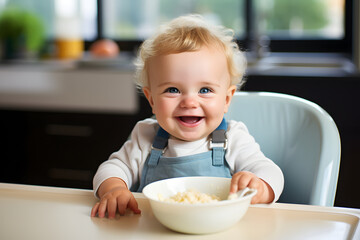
(189, 92)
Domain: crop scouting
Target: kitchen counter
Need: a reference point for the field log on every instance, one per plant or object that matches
(65, 87)
(33, 212)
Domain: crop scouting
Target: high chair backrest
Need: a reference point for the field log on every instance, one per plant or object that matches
(299, 136)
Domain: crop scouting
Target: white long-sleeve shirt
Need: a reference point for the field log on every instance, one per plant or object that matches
(242, 154)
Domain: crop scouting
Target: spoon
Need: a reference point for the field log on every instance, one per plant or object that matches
(239, 194)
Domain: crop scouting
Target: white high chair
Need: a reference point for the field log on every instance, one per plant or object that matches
(300, 137)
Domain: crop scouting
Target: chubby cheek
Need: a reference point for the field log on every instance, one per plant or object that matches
(163, 107)
(215, 108)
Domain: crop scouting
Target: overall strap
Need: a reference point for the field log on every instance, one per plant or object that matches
(158, 147)
(218, 143)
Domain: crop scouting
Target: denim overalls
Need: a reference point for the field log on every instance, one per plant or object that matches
(211, 163)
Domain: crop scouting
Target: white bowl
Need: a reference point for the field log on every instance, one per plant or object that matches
(199, 218)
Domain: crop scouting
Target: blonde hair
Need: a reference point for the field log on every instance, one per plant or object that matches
(185, 34)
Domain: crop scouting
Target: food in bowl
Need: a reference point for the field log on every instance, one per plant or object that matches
(197, 218)
(192, 196)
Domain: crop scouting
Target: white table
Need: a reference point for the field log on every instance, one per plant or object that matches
(33, 212)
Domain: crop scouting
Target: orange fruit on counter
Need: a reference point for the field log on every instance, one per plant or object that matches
(104, 48)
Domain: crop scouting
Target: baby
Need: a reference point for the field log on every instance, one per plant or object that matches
(189, 72)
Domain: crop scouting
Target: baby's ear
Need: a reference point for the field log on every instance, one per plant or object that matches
(148, 96)
(229, 94)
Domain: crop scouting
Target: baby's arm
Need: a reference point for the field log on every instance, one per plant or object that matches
(123, 168)
(114, 196)
(243, 179)
(251, 167)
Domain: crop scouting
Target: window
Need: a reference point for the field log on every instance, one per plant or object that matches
(305, 26)
(306, 19)
(284, 25)
(75, 15)
(137, 19)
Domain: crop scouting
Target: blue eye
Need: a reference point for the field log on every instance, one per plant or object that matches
(172, 90)
(204, 90)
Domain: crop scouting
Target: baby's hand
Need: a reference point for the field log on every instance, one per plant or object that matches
(117, 198)
(241, 180)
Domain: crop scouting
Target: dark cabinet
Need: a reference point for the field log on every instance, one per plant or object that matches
(66, 149)
(13, 149)
(60, 148)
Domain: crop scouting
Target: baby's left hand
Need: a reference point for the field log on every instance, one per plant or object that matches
(241, 180)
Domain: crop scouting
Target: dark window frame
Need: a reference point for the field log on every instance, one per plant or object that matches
(343, 45)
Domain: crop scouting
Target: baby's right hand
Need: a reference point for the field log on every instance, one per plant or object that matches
(117, 198)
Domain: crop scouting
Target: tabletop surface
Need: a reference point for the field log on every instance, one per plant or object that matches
(34, 212)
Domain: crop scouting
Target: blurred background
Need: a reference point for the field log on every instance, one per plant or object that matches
(276, 25)
(67, 99)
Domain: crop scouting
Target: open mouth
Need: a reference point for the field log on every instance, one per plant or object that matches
(190, 120)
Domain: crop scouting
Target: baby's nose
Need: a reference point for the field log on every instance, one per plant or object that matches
(189, 102)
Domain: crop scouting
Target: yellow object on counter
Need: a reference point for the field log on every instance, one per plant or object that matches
(69, 48)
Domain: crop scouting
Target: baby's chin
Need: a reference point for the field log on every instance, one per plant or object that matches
(190, 137)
